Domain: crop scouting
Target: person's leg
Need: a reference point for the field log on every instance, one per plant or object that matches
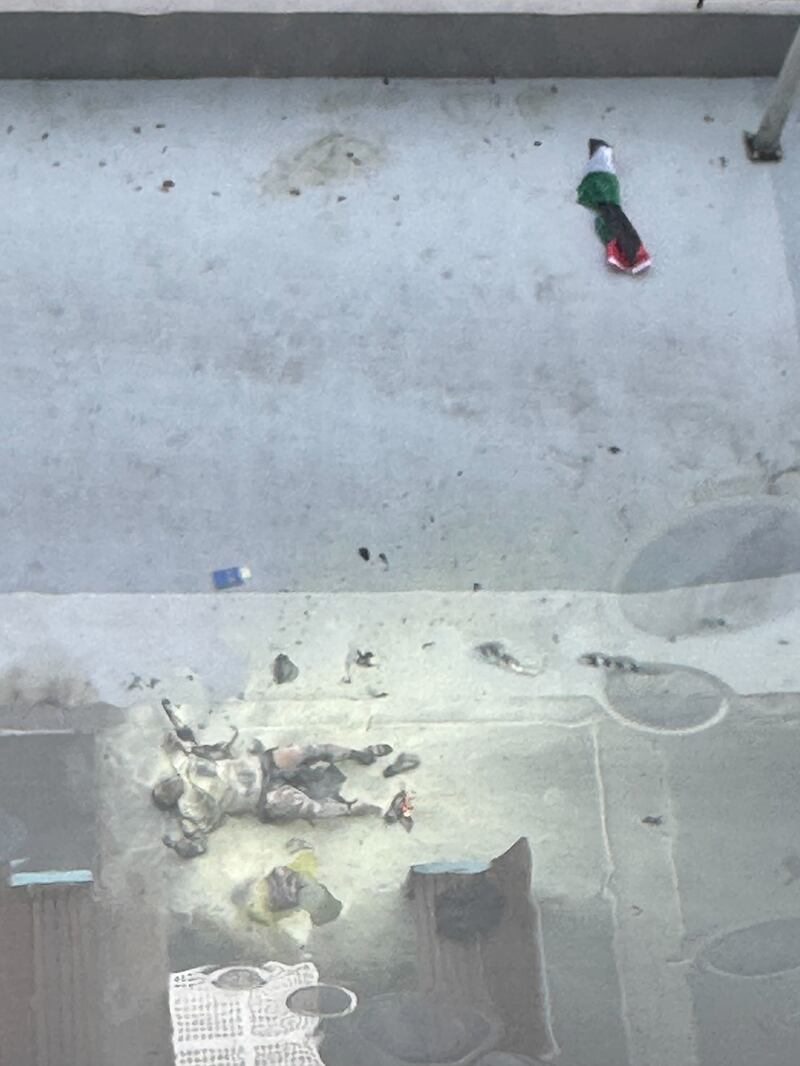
(285, 803)
(294, 756)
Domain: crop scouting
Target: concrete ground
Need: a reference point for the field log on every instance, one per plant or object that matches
(419, 352)
(373, 316)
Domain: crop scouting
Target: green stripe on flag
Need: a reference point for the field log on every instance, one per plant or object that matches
(599, 187)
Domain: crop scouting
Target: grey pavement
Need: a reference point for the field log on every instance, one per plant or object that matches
(373, 316)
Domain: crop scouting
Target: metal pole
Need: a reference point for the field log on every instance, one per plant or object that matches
(765, 145)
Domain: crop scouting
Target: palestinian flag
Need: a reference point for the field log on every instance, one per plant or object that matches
(599, 190)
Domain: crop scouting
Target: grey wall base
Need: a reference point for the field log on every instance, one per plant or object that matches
(113, 45)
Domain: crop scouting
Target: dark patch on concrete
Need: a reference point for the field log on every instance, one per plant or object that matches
(34, 697)
(47, 784)
(724, 544)
(665, 698)
(293, 371)
(545, 289)
(757, 950)
(13, 834)
(336, 157)
(791, 867)
(195, 938)
(463, 411)
(532, 102)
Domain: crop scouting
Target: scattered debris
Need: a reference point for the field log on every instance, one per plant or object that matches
(614, 449)
(356, 657)
(399, 810)
(45, 136)
(495, 653)
(708, 118)
(340, 199)
(230, 577)
(167, 184)
(783, 641)
(476, 586)
(384, 560)
(599, 191)
(102, 163)
(187, 847)
(283, 888)
(294, 191)
(298, 844)
(153, 682)
(713, 623)
(377, 695)
(636, 909)
(610, 662)
(364, 553)
(137, 129)
(160, 125)
(136, 682)
(403, 764)
(723, 161)
(537, 144)
(429, 644)
(284, 670)
(293, 887)
(653, 819)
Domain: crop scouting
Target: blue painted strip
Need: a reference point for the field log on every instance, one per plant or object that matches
(468, 866)
(52, 877)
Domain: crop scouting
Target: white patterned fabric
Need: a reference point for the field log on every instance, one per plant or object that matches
(215, 1025)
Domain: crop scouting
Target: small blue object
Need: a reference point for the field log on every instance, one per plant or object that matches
(230, 577)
